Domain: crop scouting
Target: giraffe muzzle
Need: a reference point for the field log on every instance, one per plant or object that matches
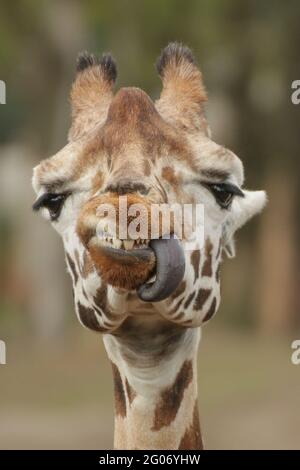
(124, 260)
(132, 269)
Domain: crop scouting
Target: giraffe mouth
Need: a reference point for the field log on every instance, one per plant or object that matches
(163, 258)
(123, 245)
(129, 256)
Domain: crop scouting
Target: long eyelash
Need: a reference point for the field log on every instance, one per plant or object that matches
(45, 197)
(229, 187)
(41, 201)
(233, 189)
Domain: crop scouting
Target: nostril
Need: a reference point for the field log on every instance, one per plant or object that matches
(126, 187)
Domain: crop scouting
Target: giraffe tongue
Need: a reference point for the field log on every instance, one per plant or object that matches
(170, 266)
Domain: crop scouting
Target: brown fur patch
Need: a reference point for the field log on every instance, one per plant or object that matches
(132, 118)
(120, 401)
(88, 318)
(211, 310)
(171, 398)
(201, 298)
(134, 125)
(180, 290)
(195, 260)
(192, 439)
(101, 302)
(189, 299)
(168, 174)
(176, 307)
(126, 276)
(207, 266)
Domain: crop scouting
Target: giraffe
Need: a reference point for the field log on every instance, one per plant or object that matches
(135, 292)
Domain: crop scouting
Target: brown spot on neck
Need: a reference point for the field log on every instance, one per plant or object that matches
(192, 439)
(171, 398)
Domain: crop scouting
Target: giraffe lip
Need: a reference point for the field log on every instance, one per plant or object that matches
(134, 256)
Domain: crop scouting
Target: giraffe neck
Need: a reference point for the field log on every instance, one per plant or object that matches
(155, 381)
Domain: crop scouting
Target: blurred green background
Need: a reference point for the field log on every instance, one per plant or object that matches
(56, 390)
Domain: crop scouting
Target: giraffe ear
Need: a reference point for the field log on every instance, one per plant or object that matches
(242, 210)
(183, 94)
(91, 93)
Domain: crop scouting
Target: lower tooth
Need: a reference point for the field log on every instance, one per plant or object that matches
(117, 243)
(128, 244)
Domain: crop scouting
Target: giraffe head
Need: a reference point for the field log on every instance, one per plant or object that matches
(124, 144)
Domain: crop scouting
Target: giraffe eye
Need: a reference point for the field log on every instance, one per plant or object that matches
(224, 193)
(51, 201)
